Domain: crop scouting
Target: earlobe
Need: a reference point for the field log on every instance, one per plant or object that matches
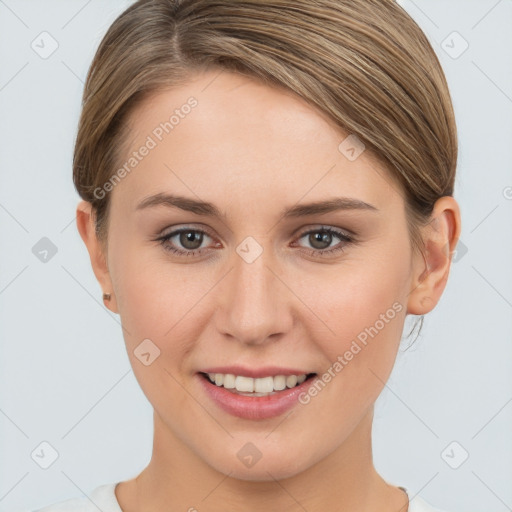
(431, 269)
(86, 228)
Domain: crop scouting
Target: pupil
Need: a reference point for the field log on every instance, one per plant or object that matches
(324, 237)
(188, 237)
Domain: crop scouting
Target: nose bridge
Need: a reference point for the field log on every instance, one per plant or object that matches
(255, 306)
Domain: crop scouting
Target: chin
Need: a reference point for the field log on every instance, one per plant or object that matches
(267, 468)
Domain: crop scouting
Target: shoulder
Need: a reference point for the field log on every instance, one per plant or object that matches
(102, 498)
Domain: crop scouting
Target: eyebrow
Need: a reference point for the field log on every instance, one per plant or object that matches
(208, 209)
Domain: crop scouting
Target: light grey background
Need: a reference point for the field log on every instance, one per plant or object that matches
(65, 376)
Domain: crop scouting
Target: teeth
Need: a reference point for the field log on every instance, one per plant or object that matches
(264, 385)
(229, 381)
(279, 382)
(291, 381)
(243, 384)
(257, 387)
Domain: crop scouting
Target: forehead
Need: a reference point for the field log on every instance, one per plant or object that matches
(230, 133)
(227, 102)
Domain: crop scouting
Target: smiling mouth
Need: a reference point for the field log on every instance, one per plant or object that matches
(256, 387)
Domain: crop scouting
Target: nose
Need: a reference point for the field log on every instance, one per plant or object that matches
(254, 305)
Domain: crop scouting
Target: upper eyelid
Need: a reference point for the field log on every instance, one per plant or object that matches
(175, 231)
(318, 227)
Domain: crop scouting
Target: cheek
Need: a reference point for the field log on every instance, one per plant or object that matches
(146, 288)
(363, 305)
(152, 307)
(157, 301)
(363, 308)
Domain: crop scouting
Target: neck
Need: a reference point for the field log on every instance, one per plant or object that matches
(345, 480)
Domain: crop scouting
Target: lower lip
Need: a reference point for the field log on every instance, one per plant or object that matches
(252, 407)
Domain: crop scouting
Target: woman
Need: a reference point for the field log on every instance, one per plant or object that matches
(267, 193)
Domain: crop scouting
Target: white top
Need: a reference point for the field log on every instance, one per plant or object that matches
(104, 499)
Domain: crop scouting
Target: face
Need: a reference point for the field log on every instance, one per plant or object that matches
(264, 288)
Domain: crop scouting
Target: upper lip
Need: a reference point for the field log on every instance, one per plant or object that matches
(255, 373)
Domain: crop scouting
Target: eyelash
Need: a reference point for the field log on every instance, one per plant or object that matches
(347, 239)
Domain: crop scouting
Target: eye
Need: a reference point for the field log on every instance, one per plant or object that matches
(321, 239)
(190, 239)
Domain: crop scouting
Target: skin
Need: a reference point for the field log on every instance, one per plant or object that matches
(253, 150)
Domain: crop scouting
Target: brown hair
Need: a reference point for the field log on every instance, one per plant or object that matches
(365, 63)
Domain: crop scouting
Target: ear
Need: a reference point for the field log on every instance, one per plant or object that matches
(97, 252)
(431, 269)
